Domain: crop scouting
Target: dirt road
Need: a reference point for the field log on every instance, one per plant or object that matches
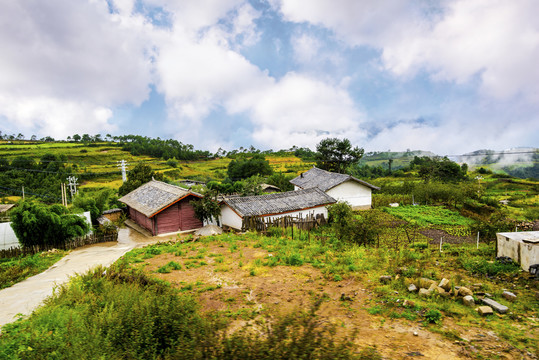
(24, 297)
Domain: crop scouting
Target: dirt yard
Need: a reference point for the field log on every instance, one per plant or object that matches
(235, 284)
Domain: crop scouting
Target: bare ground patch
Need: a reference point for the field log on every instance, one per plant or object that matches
(235, 283)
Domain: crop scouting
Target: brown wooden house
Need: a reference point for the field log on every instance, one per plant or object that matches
(162, 208)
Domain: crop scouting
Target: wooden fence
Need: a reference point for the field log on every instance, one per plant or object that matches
(262, 224)
(72, 244)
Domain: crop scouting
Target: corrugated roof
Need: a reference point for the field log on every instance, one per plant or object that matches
(154, 196)
(279, 202)
(325, 180)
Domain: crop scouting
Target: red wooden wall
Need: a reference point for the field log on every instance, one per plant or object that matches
(177, 217)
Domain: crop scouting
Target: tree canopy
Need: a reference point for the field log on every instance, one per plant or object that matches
(39, 224)
(336, 155)
(140, 175)
(243, 168)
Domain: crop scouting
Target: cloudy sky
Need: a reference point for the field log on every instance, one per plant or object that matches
(449, 76)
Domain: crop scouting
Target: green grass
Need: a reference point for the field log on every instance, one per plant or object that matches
(122, 314)
(14, 270)
(424, 215)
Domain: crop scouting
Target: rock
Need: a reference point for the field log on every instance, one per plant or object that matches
(425, 283)
(468, 301)
(412, 288)
(445, 284)
(485, 310)
(440, 291)
(432, 287)
(464, 291)
(384, 279)
(408, 303)
(502, 309)
(345, 298)
(424, 292)
(509, 296)
(416, 333)
(209, 230)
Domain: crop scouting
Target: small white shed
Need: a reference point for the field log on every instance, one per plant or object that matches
(522, 247)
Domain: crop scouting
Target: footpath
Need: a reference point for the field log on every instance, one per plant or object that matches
(27, 295)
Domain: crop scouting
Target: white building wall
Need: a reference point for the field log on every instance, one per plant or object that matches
(230, 218)
(357, 195)
(520, 247)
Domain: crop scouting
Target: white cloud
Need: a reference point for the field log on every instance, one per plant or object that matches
(45, 116)
(74, 56)
(454, 40)
(305, 47)
(301, 110)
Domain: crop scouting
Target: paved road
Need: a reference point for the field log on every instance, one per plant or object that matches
(24, 297)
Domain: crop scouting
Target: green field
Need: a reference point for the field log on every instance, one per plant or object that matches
(424, 215)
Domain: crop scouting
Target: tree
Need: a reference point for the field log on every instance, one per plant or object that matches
(282, 181)
(336, 155)
(39, 224)
(76, 137)
(140, 175)
(207, 208)
(243, 168)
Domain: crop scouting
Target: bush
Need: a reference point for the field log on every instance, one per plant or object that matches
(433, 316)
(39, 224)
(116, 314)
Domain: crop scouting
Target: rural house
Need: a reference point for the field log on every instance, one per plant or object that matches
(342, 187)
(291, 203)
(162, 208)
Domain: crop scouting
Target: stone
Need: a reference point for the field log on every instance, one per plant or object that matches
(384, 279)
(468, 301)
(412, 288)
(416, 333)
(508, 295)
(464, 291)
(425, 283)
(502, 309)
(408, 304)
(424, 292)
(445, 284)
(432, 287)
(485, 310)
(440, 291)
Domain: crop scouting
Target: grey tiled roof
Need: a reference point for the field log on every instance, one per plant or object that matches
(279, 202)
(154, 196)
(325, 180)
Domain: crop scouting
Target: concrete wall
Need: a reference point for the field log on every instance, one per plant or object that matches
(230, 218)
(522, 247)
(357, 195)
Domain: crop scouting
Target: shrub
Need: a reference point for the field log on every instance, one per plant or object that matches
(433, 316)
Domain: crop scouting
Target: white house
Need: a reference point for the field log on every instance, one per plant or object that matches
(522, 247)
(291, 203)
(342, 187)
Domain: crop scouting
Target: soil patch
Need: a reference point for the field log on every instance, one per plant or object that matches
(234, 282)
(436, 234)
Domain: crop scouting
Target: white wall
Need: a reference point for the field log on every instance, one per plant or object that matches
(8, 239)
(513, 246)
(357, 195)
(230, 218)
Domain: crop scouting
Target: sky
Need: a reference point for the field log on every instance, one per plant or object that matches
(449, 76)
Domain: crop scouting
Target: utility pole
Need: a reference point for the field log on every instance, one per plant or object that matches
(72, 185)
(122, 165)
